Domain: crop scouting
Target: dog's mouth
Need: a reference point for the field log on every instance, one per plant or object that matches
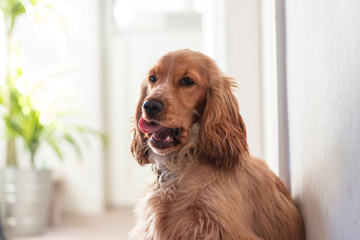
(161, 136)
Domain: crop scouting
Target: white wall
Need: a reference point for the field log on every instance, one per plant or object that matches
(323, 88)
(241, 51)
(232, 36)
(85, 177)
(269, 84)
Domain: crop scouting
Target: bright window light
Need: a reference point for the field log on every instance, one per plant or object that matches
(126, 11)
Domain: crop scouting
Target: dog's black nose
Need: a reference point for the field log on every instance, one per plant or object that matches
(153, 107)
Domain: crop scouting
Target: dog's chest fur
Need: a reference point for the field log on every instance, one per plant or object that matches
(196, 201)
(173, 203)
(183, 201)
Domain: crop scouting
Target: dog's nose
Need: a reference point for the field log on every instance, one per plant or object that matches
(153, 107)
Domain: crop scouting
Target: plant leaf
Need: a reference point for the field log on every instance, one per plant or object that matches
(1, 96)
(92, 131)
(54, 143)
(72, 141)
(12, 127)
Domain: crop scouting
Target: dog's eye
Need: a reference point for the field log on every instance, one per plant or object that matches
(187, 81)
(152, 78)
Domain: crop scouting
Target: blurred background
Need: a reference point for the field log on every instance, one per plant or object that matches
(70, 72)
(87, 59)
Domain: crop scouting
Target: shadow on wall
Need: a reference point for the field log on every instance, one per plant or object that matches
(312, 204)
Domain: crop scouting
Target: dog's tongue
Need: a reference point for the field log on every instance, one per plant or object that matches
(147, 127)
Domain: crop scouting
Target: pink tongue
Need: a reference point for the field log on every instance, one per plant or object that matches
(147, 127)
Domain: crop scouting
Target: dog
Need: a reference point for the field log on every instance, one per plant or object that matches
(207, 185)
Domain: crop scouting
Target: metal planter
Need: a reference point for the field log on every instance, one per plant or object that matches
(24, 199)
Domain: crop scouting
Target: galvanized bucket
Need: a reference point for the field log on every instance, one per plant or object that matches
(24, 199)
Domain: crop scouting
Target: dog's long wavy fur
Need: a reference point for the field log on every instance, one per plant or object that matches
(213, 188)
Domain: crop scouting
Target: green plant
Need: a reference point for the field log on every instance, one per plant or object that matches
(22, 117)
(26, 120)
(11, 10)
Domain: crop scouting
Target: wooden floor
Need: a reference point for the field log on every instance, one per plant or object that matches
(112, 225)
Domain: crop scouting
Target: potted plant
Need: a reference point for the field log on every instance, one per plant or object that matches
(25, 193)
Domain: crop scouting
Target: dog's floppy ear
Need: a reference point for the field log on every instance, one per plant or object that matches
(222, 139)
(139, 148)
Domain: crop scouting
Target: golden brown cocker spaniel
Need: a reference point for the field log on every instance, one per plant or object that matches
(207, 184)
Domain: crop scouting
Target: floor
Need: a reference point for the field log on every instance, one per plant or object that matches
(112, 225)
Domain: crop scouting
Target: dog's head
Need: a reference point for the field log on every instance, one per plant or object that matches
(184, 88)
